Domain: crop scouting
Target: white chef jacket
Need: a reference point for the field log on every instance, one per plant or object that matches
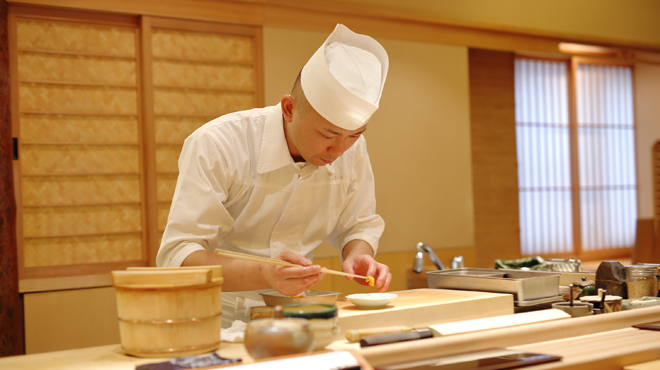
(239, 189)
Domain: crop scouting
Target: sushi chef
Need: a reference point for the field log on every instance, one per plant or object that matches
(278, 181)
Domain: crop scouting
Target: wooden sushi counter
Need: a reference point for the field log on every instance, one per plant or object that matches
(604, 341)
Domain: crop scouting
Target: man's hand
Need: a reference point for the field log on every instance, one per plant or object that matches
(358, 260)
(292, 281)
(249, 275)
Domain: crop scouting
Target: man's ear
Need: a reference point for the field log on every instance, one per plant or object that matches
(287, 103)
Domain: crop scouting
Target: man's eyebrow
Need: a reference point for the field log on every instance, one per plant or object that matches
(338, 133)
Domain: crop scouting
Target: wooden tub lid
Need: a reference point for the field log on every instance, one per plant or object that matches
(160, 277)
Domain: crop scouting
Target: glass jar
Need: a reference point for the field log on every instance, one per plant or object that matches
(641, 281)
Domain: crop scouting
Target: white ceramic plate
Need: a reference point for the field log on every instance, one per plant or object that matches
(371, 300)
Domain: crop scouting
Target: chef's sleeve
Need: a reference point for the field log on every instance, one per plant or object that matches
(358, 219)
(197, 217)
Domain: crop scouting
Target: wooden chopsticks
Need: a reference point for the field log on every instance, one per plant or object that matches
(247, 257)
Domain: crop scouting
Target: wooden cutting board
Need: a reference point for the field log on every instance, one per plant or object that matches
(424, 307)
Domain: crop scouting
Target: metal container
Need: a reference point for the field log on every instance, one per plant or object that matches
(274, 298)
(524, 285)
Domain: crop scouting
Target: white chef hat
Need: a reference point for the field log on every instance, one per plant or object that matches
(344, 79)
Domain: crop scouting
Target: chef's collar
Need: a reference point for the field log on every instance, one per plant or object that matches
(343, 80)
(274, 149)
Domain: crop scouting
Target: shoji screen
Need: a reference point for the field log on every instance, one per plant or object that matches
(606, 151)
(575, 164)
(543, 150)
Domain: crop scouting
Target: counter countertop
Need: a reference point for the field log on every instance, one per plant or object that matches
(602, 341)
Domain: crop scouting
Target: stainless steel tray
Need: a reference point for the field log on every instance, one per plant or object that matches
(275, 298)
(540, 301)
(524, 285)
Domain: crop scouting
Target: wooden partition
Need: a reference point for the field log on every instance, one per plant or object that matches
(80, 206)
(104, 103)
(494, 162)
(197, 76)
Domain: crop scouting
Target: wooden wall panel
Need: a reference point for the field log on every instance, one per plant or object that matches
(80, 318)
(42, 252)
(202, 75)
(42, 128)
(495, 174)
(201, 103)
(79, 159)
(68, 99)
(102, 113)
(50, 222)
(76, 68)
(80, 190)
(80, 153)
(174, 130)
(202, 46)
(69, 37)
(197, 76)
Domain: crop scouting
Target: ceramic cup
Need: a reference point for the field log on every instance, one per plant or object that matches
(322, 319)
(278, 337)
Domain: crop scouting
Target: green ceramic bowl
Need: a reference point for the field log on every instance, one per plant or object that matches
(310, 311)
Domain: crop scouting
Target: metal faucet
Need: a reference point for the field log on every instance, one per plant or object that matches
(419, 258)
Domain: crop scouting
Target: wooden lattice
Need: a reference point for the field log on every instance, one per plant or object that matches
(47, 98)
(75, 38)
(78, 159)
(203, 75)
(76, 190)
(166, 158)
(163, 213)
(202, 46)
(197, 77)
(174, 130)
(76, 68)
(48, 128)
(80, 150)
(166, 185)
(81, 138)
(83, 220)
(184, 102)
(44, 252)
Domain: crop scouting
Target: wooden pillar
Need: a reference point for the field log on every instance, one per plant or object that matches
(494, 162)
(12, 336)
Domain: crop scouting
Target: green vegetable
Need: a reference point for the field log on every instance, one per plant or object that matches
(532, 263)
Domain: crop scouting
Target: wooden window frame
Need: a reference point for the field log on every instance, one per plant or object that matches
(578, 251)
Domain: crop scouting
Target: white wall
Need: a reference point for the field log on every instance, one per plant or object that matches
(633, 22)
(419, 139)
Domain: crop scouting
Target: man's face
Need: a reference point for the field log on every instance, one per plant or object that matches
(312, 138)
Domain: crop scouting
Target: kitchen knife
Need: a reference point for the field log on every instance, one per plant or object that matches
(395, 338)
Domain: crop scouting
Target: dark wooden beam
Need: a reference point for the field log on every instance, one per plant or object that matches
(12, 335)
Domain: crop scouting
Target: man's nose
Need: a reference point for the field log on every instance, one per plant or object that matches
(336, 148)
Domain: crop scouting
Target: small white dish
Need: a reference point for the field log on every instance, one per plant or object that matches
(371, 300)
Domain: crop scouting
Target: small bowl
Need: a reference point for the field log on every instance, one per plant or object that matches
(278, 337)
(371, 300)
(322, 320)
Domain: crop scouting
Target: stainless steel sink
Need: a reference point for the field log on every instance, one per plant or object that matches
(524, 285)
